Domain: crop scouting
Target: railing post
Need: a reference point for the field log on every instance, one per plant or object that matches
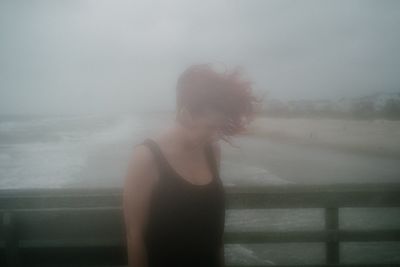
(331, 226)
(11, 242)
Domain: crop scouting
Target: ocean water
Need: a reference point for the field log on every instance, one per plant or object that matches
(50, 151)
(93, 151)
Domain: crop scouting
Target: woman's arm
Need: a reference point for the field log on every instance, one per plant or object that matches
(138, 183)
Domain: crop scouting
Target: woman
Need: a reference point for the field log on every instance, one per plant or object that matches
(173, 200)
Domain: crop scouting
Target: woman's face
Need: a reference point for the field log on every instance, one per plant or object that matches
(208, 124)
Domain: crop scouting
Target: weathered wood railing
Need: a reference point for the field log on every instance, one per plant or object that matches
(85, 226)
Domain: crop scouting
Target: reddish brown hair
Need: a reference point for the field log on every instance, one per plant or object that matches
(200, 87)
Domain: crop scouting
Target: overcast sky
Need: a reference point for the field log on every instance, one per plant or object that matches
(117, 56)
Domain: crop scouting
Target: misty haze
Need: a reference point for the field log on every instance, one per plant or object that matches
(82, 82)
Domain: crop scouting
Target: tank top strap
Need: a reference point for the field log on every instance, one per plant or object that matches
(212, 160)
(157, 153)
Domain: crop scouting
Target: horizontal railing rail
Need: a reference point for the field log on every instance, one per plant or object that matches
(85, 226)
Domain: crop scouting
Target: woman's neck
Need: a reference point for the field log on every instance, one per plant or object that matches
(184, 139)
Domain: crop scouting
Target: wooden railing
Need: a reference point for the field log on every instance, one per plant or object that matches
(85, 226)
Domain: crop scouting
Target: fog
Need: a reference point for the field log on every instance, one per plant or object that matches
(83, 82)
(101, 57)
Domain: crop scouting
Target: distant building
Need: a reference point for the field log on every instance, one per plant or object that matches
(365, 104)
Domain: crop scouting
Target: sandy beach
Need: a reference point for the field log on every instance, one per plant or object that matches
(374, 137)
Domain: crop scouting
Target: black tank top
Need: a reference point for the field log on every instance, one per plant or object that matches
(186, 221)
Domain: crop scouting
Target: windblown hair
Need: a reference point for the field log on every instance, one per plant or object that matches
(200, 88)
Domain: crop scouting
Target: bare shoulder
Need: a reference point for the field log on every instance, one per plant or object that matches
(142, 154)
(142, 167)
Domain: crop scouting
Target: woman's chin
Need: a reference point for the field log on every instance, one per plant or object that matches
(214, 139)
